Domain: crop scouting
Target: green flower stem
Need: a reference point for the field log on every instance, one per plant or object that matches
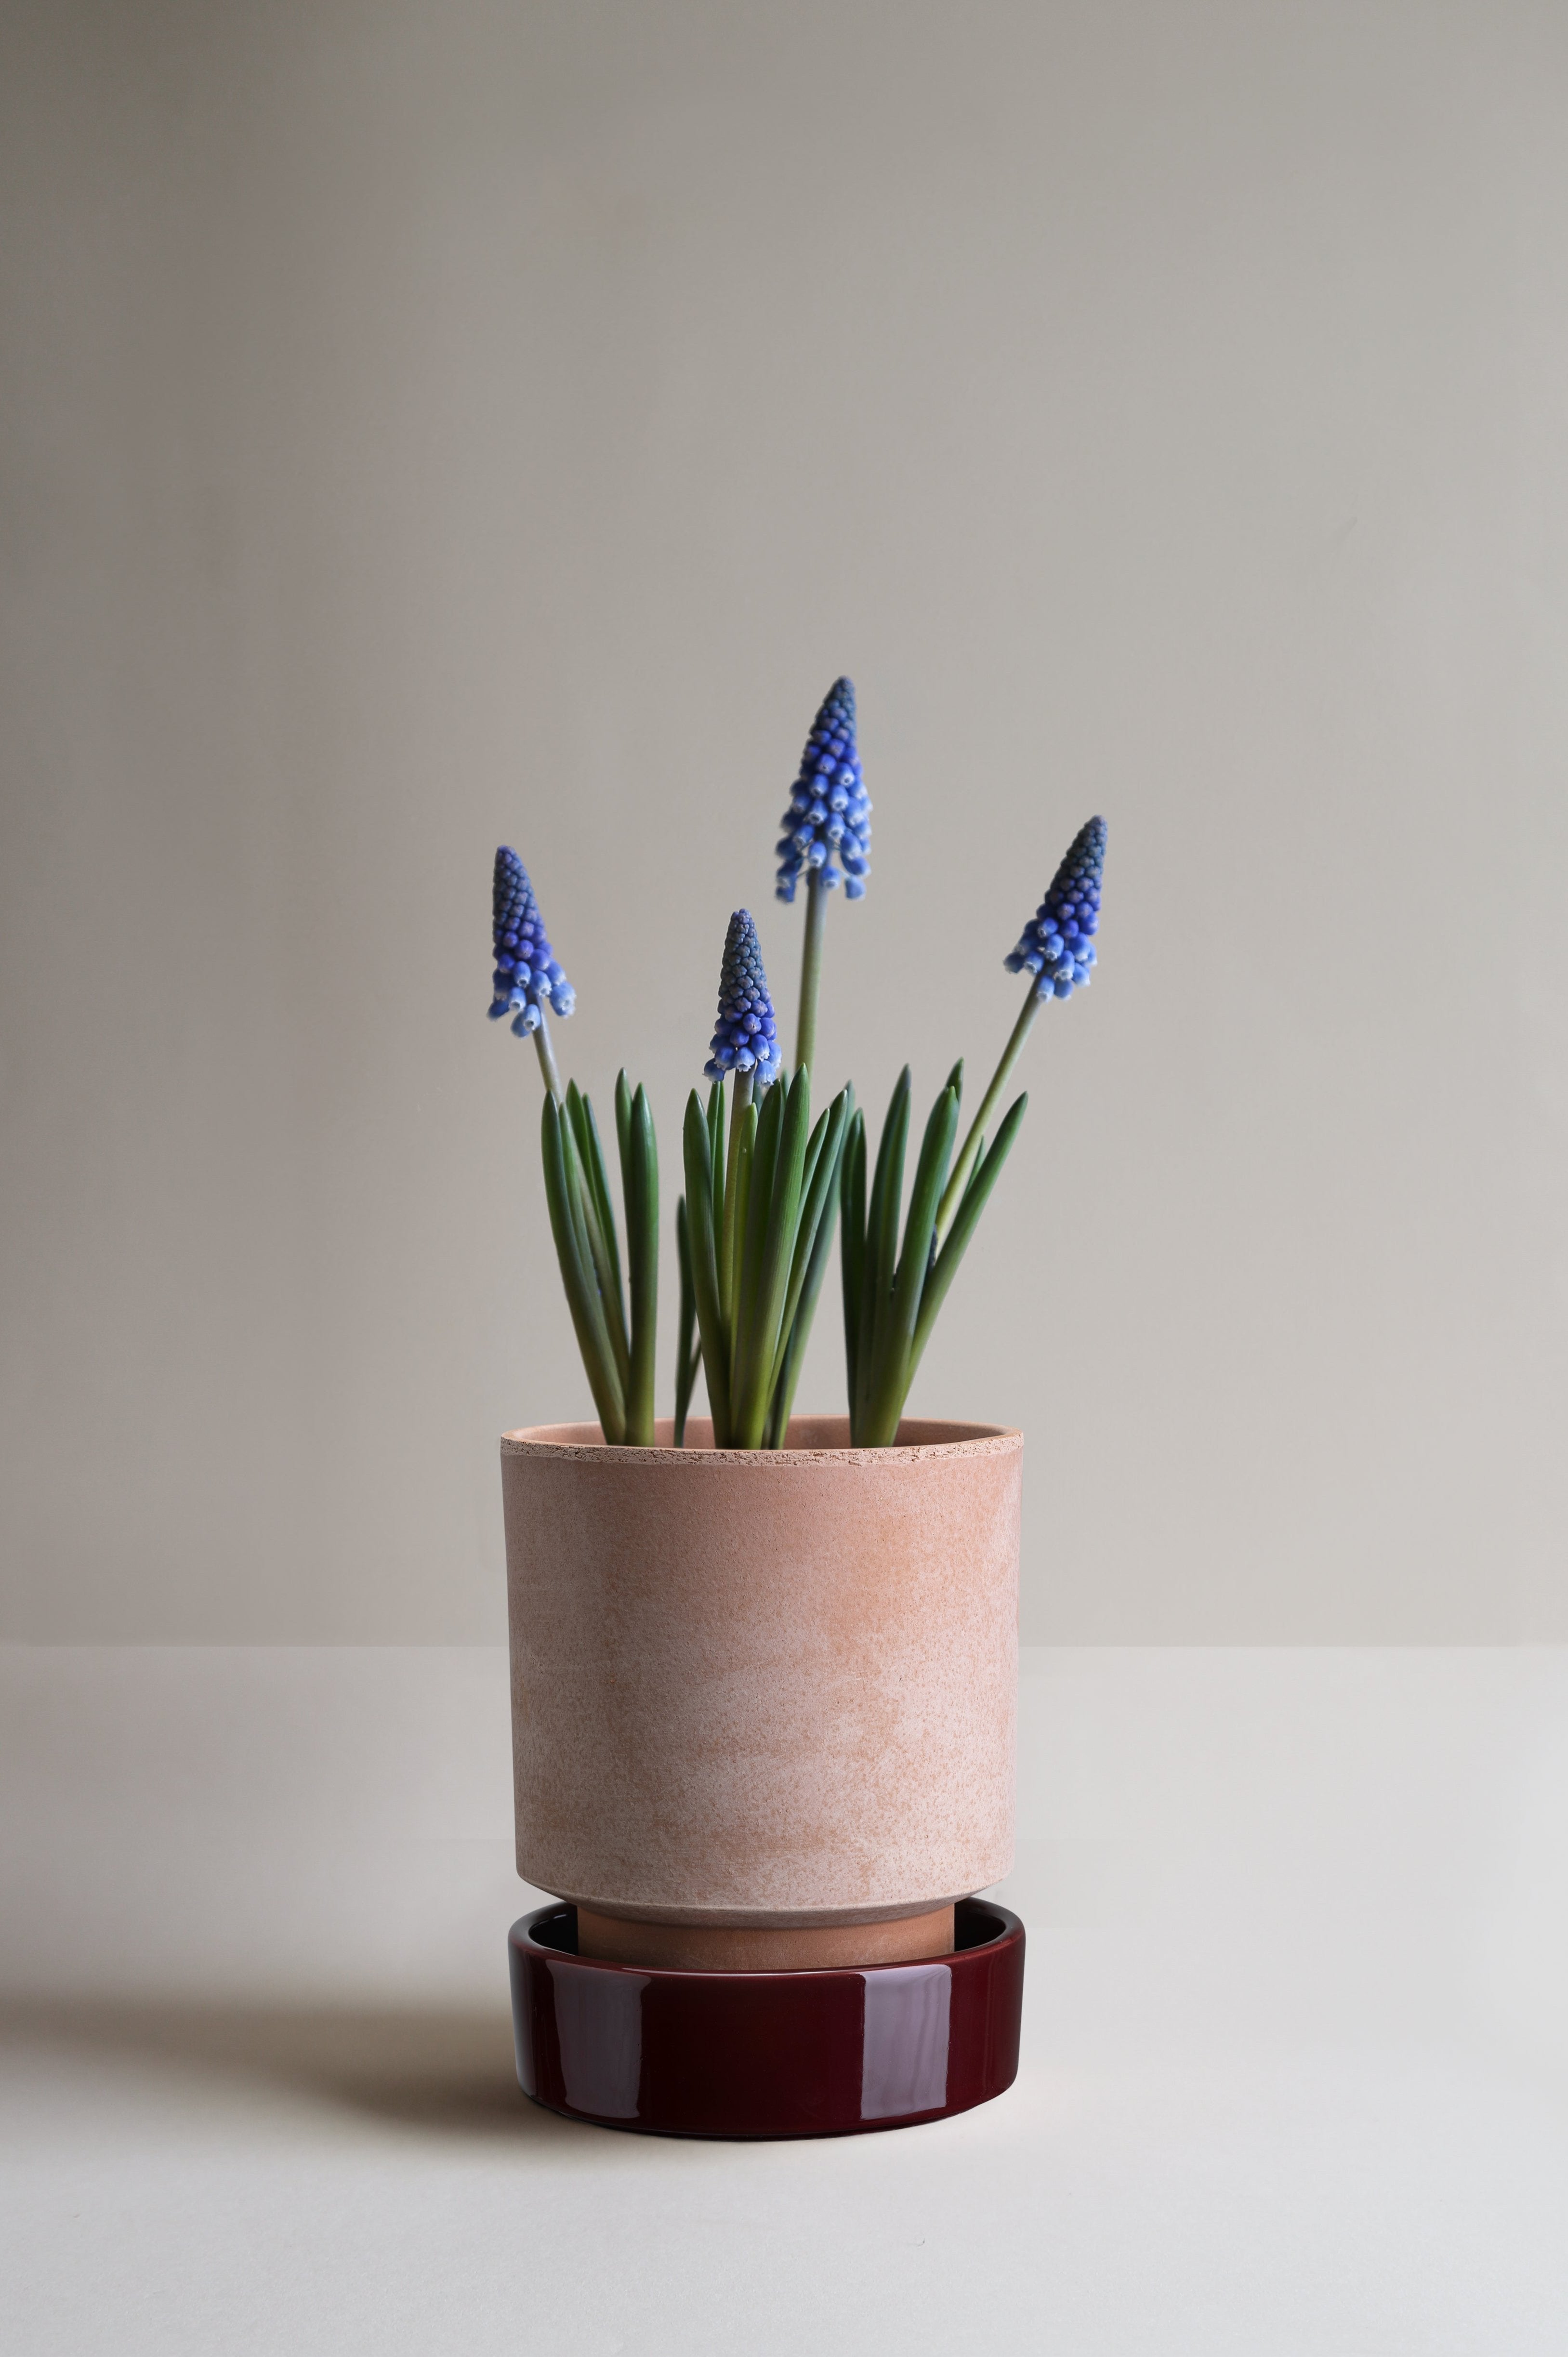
(953, 1192)
(547, 1056)
(811, 969)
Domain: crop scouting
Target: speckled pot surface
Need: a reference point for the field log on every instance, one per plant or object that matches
(764, 1687)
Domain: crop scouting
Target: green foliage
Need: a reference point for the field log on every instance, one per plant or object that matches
(758, 1216)
(892, 1292)
(617, 1349)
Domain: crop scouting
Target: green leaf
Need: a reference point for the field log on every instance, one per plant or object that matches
(751, 1244)
(852, 1258)
(639, 1183)
(597, 1224)
(562, 1182)
(800, 1328)
(780, 1225)
(813, 1248)
(741, 1134)
(623, 1113)
(882, 1244)
(819, 1182)
(688, 1351)
(976, 1195)
(704, 1265)
(890, 1379)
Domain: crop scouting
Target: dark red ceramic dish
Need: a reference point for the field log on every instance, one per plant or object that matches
(767, 2054)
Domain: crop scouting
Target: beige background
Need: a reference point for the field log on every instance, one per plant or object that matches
(432, 422)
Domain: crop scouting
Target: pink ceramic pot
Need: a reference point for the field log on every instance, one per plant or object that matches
(763, 1701)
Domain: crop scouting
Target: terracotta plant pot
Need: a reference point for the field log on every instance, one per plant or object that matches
(763, 1701)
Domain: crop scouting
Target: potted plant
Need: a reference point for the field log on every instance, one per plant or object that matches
(764, 1663)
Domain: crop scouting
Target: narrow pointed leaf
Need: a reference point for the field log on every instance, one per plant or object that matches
(688, 1351)
(639, 1181)
(596, 1222)
(882, 1241)
(704, 1265)
(851, 1197)
(623, 1113)
(577, 1276)
(890, 1381)
(800, 1325)
(780, 1225)
(965, 1221)
(819, 1196)
(751, 1244)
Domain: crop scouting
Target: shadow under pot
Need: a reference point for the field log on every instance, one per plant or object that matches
(764, 1701)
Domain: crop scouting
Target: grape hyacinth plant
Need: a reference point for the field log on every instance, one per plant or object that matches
(765, 1187)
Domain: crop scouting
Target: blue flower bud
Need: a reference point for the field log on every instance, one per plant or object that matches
(746, 1034)
(527, 978)
(829, 811)
(1054, 945)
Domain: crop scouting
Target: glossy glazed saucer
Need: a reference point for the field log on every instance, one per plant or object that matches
(767, 2054)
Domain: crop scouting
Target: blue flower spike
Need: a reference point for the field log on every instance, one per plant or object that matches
(829, 817)
(1056, 945)
(746, 1037)
(527, 978)
(1056, 949)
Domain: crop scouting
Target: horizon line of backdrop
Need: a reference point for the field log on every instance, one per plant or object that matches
(448, 423)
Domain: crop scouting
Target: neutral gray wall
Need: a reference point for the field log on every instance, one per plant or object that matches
(433, 422)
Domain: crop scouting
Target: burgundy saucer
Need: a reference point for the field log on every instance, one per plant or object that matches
(767, 2054)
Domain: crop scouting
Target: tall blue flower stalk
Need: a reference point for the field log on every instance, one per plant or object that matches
(1056, 951)
(826, 839)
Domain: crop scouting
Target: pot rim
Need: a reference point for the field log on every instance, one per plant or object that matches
(939, 1437)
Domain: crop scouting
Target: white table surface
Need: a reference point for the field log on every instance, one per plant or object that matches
(1295, 2072)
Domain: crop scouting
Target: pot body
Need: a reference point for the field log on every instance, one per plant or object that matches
(764, 1688)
